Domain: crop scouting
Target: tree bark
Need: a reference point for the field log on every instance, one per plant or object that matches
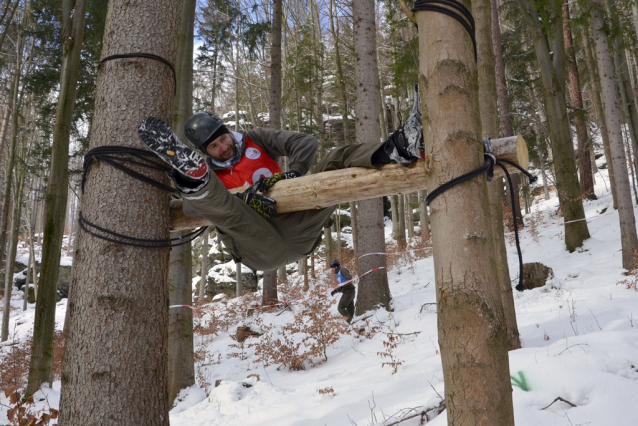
(181, 364)
(628, 238)
(56, 197)
(471, 323)
(373, 288)
(115, 363)
(269, 294)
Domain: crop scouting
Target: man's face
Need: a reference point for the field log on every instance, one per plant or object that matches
(222, 148)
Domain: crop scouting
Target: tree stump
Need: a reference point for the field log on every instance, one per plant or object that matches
(536, 274)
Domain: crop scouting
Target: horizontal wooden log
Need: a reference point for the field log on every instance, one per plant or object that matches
(356, 183)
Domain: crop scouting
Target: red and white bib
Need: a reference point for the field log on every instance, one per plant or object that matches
(253, 165)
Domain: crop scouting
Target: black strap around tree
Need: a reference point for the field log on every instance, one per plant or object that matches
(488, 167)
(147, 56)
(117, 156)
(454, 9)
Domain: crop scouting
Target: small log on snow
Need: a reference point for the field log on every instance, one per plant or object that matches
(356, 183)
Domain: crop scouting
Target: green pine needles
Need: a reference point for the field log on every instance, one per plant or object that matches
(520, 382)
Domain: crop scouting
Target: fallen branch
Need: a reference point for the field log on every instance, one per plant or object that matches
(426, 415)
(560, 399)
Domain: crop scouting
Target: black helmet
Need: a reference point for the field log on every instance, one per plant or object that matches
(334, 263)
(202, 128)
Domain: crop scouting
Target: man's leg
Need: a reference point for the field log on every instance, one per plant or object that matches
(247, 235)
(347, 299)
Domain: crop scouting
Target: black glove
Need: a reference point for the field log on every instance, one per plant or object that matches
(265, 183)
(259, 203)
(333, 292)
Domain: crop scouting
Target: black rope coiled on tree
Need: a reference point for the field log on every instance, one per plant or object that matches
(488, 167)
(147, 56)
(116, 156)
(454, 9)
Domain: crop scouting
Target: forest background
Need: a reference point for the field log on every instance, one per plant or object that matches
(557, 82)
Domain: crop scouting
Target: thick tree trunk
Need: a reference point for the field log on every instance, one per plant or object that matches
(552, 75)
(469, 306)
(115, 363)
(488, 108)
(584, 162)
(56, 197)
(269, 294)
(181, 364)
(628, 238)
(373, 289)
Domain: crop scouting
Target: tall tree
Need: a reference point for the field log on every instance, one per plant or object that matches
(269, 283)
(181, 365)
(488, 107)
(373, 288)
(471, 324)
(580, 122)
(115, 363)
(73, 18)
(628, 238)
(11, 155)
(547, 30)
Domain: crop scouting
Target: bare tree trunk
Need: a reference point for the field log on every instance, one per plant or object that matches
(553, 80)
(274, 105)
(505, 119)
(203, 278)
(401, 210)
(181, 363)
(410, 215)
(628, 238)
(115, 366)
(488, 108)
(56, 197)
(423, 217)
(11, 157)
(373, 289)
(584, 163)
(394, 210)
(469, 306)
(598, 108)
(334, 28)
(269, 294)
(11, 255)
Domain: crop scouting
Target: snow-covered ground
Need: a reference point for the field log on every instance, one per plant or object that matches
(579, 335)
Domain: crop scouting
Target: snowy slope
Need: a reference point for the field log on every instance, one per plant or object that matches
(579, 337)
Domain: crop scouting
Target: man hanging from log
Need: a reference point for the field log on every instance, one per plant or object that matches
(247, 222)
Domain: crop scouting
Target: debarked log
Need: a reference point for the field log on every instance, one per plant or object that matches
(356, 183)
